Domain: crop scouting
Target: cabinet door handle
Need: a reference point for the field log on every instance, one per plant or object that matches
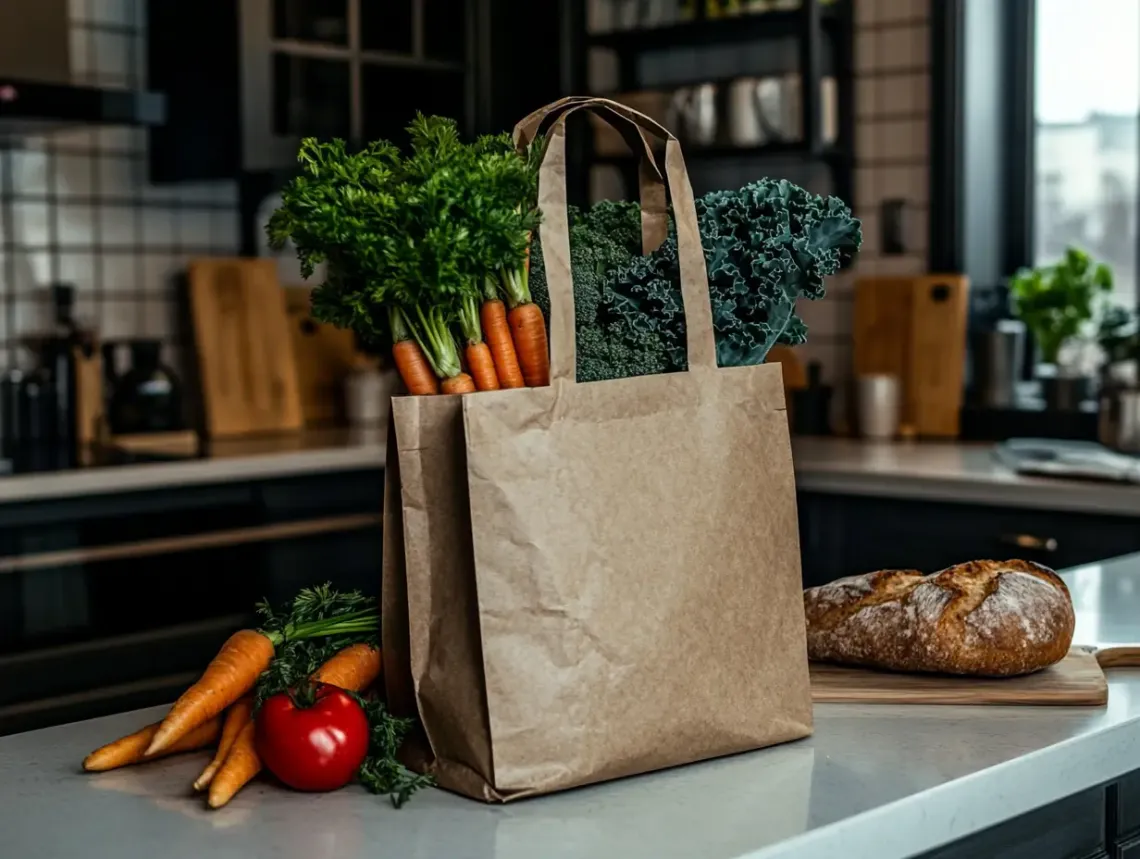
(1028, 541)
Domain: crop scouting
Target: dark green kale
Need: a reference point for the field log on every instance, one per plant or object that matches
(602, 239)
(765, 246)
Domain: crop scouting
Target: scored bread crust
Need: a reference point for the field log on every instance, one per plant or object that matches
(982, 618)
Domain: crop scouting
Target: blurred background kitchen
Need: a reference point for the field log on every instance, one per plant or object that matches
(178, 438)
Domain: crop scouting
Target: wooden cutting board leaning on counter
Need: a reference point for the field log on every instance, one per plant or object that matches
(975, 633)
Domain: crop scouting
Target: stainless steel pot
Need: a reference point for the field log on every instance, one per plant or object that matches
(1119, 421)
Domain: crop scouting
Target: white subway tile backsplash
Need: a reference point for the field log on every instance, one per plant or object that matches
(75, 224)
(902, 48)
(866, 48)
(866, 12)
(117, 176)
(117, 225)
(159, 227)
(120, 273)
(159, 271)
(78, 269)
(866, 98)
(72, 176)
(901, 140)
(903, 10)
(903, 183)
(194, 228)
(902, 94)
(158, 318)
(120, 319)
(77, 216)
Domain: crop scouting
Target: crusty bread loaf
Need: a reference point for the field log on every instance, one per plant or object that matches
(983, 618)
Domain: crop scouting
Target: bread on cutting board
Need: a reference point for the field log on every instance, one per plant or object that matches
(982, 618)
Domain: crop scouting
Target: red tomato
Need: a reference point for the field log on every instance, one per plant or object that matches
(315, 747)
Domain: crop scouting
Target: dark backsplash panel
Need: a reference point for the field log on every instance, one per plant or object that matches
(76, 207)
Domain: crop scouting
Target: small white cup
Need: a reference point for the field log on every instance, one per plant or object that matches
(878, 400)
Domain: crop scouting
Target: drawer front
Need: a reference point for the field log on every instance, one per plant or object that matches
(1072, 828)
(1128, 811)
(879, 533)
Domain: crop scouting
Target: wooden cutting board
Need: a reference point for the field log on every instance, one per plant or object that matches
(1077, 680)
(915, 328)
(325, 355)
(245, 354)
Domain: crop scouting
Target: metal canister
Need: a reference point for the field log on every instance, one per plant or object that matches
(998, 359)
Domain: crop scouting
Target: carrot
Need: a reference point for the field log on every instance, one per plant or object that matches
(528, 330)
(497, 334)
(482, 367)
(460, 383)
(131, 749)
(414, 368)
(241, 765)
(236, 718)
(354, 668)
(229, 675)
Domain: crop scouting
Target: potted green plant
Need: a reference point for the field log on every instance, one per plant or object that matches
(1057, 303)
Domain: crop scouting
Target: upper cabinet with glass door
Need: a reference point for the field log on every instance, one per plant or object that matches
(355, 69)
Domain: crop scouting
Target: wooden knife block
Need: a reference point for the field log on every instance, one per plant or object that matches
(915, 328)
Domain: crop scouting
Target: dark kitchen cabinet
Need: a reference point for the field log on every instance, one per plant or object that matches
(844, 535)
(119, 601)
(245, 80)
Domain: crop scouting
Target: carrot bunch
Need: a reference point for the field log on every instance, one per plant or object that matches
(428, 249)
(268, 659)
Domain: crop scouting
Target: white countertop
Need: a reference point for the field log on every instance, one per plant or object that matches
(946, 471)
(937, 471)
(286, 455)
(882, 782)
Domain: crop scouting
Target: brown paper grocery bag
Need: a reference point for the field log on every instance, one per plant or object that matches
(583, 582)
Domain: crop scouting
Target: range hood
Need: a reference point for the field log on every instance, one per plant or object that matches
(37, 84)
(31, 107)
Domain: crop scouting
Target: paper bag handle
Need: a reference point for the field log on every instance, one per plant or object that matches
(555, 229)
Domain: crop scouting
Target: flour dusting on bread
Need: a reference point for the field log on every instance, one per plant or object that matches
(987, 618)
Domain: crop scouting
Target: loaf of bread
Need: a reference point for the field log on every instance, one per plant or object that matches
(983, 618)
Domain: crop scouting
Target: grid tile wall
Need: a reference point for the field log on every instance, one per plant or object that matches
(76, 207)
(892, 156)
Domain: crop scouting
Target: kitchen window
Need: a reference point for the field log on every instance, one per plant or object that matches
(1036, 136)
(1086, 115)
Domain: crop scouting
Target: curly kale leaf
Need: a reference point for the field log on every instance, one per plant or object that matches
(765, 246)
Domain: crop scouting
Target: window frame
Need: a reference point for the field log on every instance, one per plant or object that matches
(1012, 144)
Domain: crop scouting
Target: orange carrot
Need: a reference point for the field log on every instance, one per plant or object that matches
(131, 749)
(482, 366)
(458, 384)
(528, 330)
(414, 368)
(354, 668)
(241, 765)
(497, 334)
(236, 718)
(229, 675)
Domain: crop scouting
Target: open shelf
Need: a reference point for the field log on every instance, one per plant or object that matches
(829, 154)
(716, 31)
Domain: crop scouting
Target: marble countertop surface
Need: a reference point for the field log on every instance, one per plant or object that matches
(946, 471)
(886, 781)
(937, 471)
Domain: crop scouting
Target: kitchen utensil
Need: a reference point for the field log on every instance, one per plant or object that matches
(878, 398)
(325, 356)
(915, 328)
(244, 348)
(1119, 419)
(147, 397)
(998, 358)
(1077, 680)
(692, 114)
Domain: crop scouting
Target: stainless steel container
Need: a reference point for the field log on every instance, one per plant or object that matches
(998, 358)
(1119, 421)
(878, 403)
